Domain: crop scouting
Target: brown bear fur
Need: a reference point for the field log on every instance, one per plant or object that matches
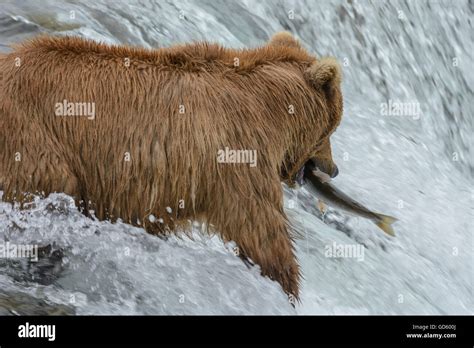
(172, 154)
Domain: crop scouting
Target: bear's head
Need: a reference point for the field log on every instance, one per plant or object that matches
(324, 77)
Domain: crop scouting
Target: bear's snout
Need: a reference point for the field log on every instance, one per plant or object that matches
(335, 172)
(327, 167)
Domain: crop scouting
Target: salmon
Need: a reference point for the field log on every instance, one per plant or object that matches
(329, 194)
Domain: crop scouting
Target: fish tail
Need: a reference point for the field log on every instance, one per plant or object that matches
(385, 224)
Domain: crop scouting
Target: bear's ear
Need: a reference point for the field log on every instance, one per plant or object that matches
(324, 73)
(284, 38)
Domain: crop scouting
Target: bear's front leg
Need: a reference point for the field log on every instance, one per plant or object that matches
(253, 217)
(273, 252)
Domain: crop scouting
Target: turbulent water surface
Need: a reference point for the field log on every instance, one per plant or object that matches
(417, 166)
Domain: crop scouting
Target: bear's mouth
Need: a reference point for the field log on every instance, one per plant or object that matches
(318, 169)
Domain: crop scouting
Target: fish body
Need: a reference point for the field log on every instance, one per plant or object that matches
(334, 197)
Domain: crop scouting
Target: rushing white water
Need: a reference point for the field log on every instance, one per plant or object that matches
(418, 167)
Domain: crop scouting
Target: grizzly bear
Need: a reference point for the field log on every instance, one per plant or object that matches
(163, 137)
